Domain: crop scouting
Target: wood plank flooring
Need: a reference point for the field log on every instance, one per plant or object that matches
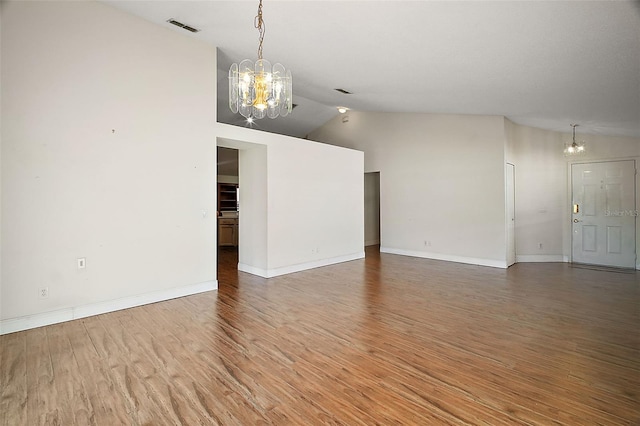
(385, 340)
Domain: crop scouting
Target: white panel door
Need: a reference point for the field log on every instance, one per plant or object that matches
(603, 213)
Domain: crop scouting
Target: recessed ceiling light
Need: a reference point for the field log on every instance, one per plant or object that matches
(342, 109)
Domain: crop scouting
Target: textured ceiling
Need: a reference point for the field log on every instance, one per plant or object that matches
(544, 64)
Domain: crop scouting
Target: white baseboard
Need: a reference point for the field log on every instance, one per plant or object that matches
(242, 267)
(270, 273)
(449, 258)
(536, 258)
(12, 325)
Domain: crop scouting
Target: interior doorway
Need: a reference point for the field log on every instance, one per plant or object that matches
(371, 208)
(251, 250)
(228, 207)
(603, 213)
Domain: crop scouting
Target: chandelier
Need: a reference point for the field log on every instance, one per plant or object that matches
(257, 89)
(574, 147)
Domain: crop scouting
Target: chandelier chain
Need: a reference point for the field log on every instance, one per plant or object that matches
(259, 24)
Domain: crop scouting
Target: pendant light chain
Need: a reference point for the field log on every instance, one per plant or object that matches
(258, 22)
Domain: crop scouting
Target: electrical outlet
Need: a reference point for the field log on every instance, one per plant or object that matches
(43, 293)
(82, 263)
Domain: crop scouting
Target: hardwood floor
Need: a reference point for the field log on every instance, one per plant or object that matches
(385, 340)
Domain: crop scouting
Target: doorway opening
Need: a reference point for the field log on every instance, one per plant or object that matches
(251, 215)
(372, 208)
(228, 208)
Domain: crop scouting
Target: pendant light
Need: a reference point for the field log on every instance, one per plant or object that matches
(257, 89)
(574, 147)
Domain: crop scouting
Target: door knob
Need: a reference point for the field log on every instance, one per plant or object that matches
(576, 221)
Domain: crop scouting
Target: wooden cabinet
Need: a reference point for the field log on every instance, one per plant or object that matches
(228, 231)
(227, 197)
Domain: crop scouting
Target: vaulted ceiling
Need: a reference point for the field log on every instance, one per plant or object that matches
(545, 64)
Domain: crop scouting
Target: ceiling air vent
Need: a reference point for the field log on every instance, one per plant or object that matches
(181, 25)
(346, 92)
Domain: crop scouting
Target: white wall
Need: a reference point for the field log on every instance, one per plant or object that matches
(427, 161)
(252, 160)
(441, 181)
(541, 175)
(108, 153)
(301, 202)
(543, 186)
